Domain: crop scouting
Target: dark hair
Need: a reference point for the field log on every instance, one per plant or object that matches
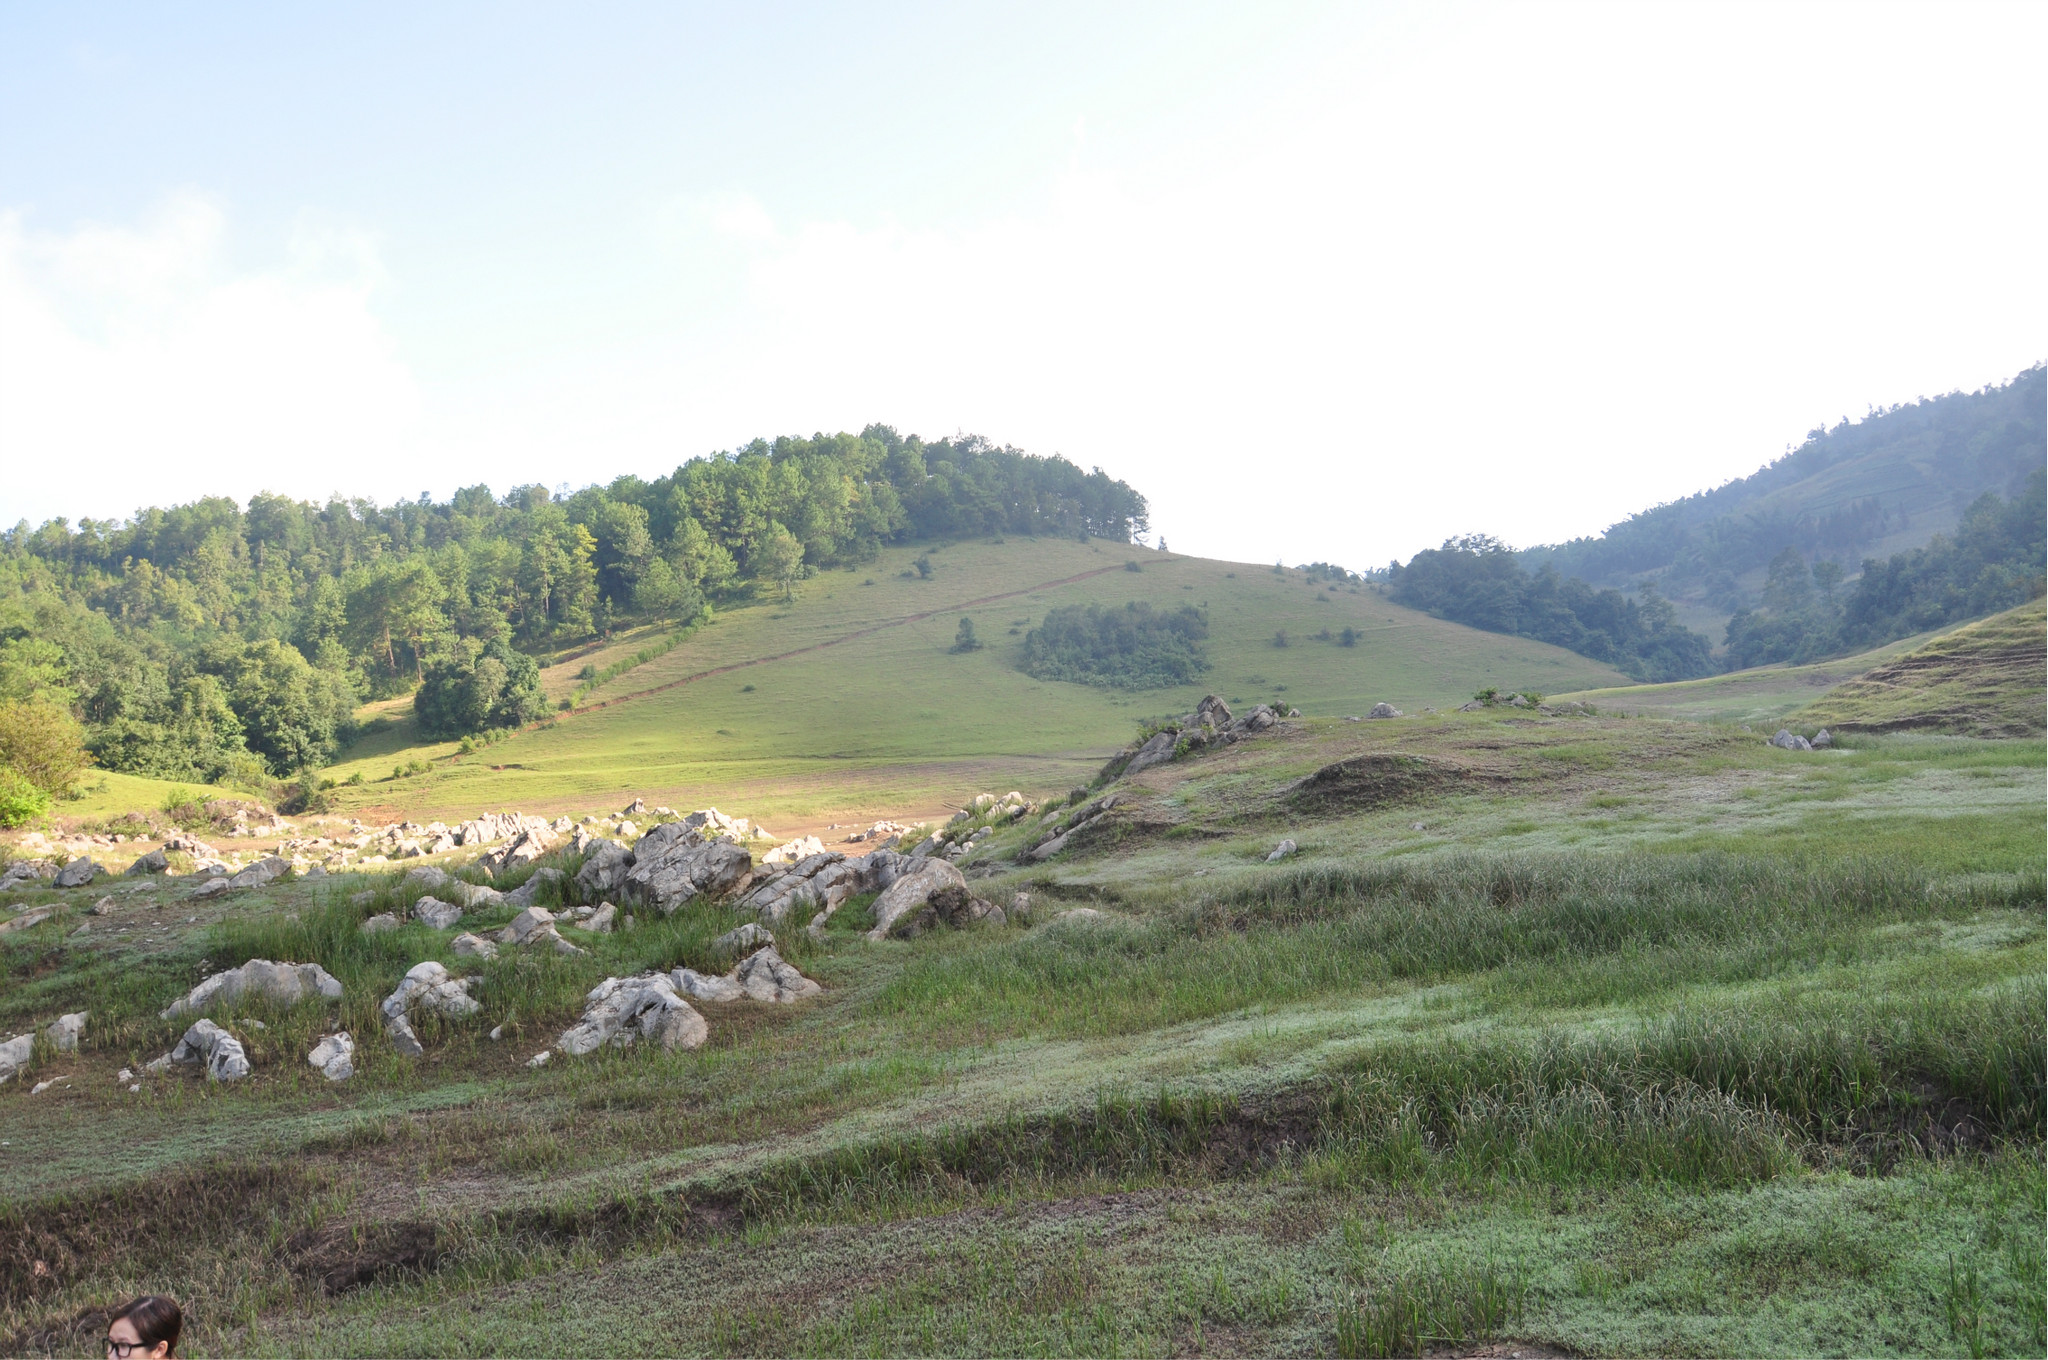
(154, 1318)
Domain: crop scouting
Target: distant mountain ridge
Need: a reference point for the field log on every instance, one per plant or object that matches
(1884, 484)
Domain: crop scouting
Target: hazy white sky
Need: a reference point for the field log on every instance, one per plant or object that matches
(1323, 282)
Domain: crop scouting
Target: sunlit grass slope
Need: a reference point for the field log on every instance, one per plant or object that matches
(1988, 678)
(850, 700)
(1758, 695)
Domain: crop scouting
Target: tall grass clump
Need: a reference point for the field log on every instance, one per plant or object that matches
(1420, 1311)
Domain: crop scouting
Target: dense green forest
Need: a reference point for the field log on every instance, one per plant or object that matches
(1996, 559)
(1479, 581)
(214, 642)
(1840, 491)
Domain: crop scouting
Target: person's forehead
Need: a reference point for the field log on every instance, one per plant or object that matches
(123, 1329)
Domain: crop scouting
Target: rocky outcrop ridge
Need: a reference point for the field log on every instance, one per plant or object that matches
(1210, 725)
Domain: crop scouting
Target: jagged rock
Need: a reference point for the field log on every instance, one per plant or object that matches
(471, 946)
(601, 921)
(1791, 741)
(825, 879)
(212, 887)
(14, 1055)
(429, 986)
(712, 823)
(474, 895)
(334, 1057)
(399, 1031)
(153, 862)
(283, 983)
(748, 936)
(911, 893)
(496, 826)
(1157, 750)
(604, 868)
(35, 916)
(25, 871)
(1281, 851)
(222, 1052)
(379, 923)
(1823, 739)
(707, 987)
(63, 1032)
(792, 851)
(262, 872)
(103, 907)
(529, 845)
(525, 893)
(437, 914)
(77, 873)
(528, 923)
(682, 867)
(1384, 711)
(620, 1010)
(425, 878)
(636, 808)
(628, 831)
(764, 976)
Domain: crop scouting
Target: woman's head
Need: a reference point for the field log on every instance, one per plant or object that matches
(147, 1327)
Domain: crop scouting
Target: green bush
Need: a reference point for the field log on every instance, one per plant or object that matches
(1136, 647)
(20, 801)
(497, 687)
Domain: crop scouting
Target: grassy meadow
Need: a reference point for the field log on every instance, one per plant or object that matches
(848, 703)
(1586, 1034)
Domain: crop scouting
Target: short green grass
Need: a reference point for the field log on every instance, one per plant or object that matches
(1652, 1039)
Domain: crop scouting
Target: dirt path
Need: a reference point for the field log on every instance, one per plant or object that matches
(834, 642)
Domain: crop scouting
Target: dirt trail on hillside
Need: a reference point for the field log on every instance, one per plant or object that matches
(834, 642)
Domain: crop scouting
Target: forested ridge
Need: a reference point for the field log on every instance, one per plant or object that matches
(215, 642)
(1802, 519)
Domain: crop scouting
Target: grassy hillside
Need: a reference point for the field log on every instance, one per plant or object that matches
(849, 703)
(1761, 694)
(1568, 1035)
(1987, 679)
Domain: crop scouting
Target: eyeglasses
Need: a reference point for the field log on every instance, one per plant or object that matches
(121, 1350)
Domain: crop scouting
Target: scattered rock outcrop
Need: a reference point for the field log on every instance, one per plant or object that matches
(1384, 711)
(1210, 725)
(1056, 832)
(220, 1051)
(911, 893)
(792, 851)
(77, 873)
(762, 976)
(676, 863)
(1789, 740)
(282, 983)
(620, 1011)
(25, 871)
(437, 915)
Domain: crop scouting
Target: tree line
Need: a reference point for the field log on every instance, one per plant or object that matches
(217, 642)
(1997, 558)
(1480, 582)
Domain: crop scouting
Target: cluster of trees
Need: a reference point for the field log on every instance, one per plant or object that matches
(1997, 558)
(1480, 582)
(212, 642)
(1924, 458)
(1136, 647)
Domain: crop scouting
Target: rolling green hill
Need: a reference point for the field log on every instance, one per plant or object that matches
(849, 702)
(1986, 679)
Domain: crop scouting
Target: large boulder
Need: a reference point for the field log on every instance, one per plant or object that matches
(63, 1032)
(14, 1055)
(437, 914)
(526, 925)
(1157, 750)
(282, 983)
(77, 873)
(429, 986)
(154, 862)
(685, 868)
(910, 894)
(222, 1052)
(823, 880)
(262, 872)
(604, 868)
(619, 1011)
